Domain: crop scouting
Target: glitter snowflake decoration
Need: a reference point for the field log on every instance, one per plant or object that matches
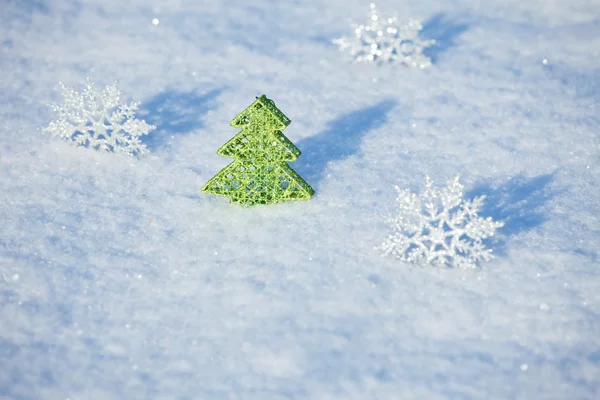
(384, 40)
(99, 120)
(440, 228)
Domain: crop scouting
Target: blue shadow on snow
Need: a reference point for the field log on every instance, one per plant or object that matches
(341, 139)
(445, 31)
(34, 5)
(175, 113)
(581, 84)
(517, 202)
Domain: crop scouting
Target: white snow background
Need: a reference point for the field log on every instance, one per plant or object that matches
(120, 280)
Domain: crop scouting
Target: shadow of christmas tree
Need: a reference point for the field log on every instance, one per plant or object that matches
(341, 139)
(445, 30)
(175, 113)
(518, 203)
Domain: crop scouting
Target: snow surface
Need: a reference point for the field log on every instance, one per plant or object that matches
(119, 280)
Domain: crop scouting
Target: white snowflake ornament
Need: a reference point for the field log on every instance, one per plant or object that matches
(384, 40)
(440, 228)
(99, 120)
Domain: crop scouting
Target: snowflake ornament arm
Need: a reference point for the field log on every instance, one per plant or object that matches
(99, 120)
(440, 228)
(384, 40)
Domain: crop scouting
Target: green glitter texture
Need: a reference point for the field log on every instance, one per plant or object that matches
(260, 173)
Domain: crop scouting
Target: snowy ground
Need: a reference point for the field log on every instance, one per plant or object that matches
(120, 280)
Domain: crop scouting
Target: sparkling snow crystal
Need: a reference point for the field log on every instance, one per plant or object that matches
(99, 120)
(384, 40)
(439, 227)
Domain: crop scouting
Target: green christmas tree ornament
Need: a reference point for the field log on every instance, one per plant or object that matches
(259, 173)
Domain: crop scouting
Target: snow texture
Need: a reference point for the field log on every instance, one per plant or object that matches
(120, 280)
(98, 120)
(385, 40)
(439, 227)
